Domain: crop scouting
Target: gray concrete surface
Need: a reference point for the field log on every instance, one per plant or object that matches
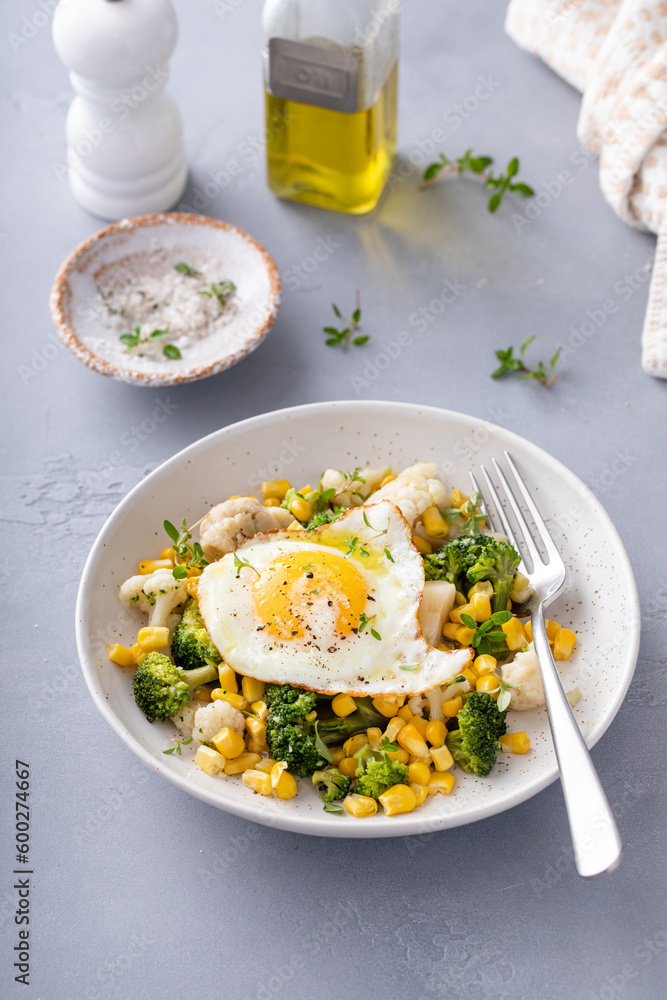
(140, 891)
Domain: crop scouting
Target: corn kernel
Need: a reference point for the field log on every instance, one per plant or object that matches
(360, 805)
(285, 785)
(460, 599)
(484, 664)
(483, 587)
(235, 700)
(121, 655)
(256, 729)
(457, 498)
(374, 735)
(147, 566)
(276, 489)
(192, 587)
(301, 509)
(410, 739)
(488, 684)
(564, 642)
(343, 705)
(420, 724)
(452, 706)
(169, 553)
(201, 694)
(419, 772)
(155, 637)
(514, 633)
(227, 678)
(470, 676)
(434, 523)
(464, 635)
(141, 656)
(515, 743)
(337, 754)
(420, 793)
(393, 727)
(260, 709)
(272, 502)
(252, 746)
(466, 609)
(266, 764)
(436, 731)
(258, 781)
(398, 799)
(242, 763)
(442, 758)
(252, 689)
(209, 760)
(440, 782)
(389, 478)
(385, 706)
(347, 766)
(422, 546)
(354, 743)
(228, 743)
(193, 572)
(401, 756)
(481, 607)
(405, 713)
(449, 630)
(295, 526)
(528, 629)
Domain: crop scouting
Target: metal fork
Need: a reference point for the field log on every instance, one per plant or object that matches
(597, 844)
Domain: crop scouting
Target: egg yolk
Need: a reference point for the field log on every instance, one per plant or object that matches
(291, 585)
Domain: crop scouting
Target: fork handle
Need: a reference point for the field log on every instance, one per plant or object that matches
(595, 836)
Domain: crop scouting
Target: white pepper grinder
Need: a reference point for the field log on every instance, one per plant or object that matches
(125, 148)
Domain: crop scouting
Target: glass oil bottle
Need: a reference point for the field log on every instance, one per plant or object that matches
(330, 77)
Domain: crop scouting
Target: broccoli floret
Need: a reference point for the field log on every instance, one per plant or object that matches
(294, 738)
(332, 784)
(161, 688)
(191, 645)
(497, 562)
(324, 517)
(379, 776)
(475, 745)
(471, 558)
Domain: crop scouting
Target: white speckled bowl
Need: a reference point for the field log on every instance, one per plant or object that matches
(74, 300)
(600, 603)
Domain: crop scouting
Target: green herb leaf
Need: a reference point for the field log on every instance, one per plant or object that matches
(186, 269)
(411, 666)
(321, 747)
(333, 807)
(159, 334)
(179, 572)
(171, 531)
(243, 564)
(172, 352)
(494, 201)
(129, 339)
(336, 336)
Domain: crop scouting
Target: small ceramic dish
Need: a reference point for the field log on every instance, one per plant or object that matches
(117, 259)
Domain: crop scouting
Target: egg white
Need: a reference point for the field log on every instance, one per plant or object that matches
(305, 626)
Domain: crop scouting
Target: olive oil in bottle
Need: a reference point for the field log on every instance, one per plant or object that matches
(331, 101)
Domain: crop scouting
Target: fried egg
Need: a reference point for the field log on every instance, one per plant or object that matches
(334, 609)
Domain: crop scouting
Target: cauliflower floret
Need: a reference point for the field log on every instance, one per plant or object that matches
(524, 673)
(158, 593)
(211, 718)
(231, 523)
(430, 702)
(184, 719)
(348, 487)
(414, 490)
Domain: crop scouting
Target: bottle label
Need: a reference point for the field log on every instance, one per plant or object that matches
(327, 78)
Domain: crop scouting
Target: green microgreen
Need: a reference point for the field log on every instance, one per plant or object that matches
(241, 563)
(353, 547)
(186, 269)
(190, 553)
(511, 362)
(364, 620)
(500, 183)
(177, 746)
(487, 637)
(333, 807)
(411, 666)
(336, 337)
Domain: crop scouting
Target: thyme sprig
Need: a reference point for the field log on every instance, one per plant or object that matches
(510, 362)
(364, 620)
(132, 340)
(221, 292)
(336, 337)
(190, 553)
(499, 183)
(177, 746)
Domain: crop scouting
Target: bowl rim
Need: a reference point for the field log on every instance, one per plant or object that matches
(322, 826)
(60, 289)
